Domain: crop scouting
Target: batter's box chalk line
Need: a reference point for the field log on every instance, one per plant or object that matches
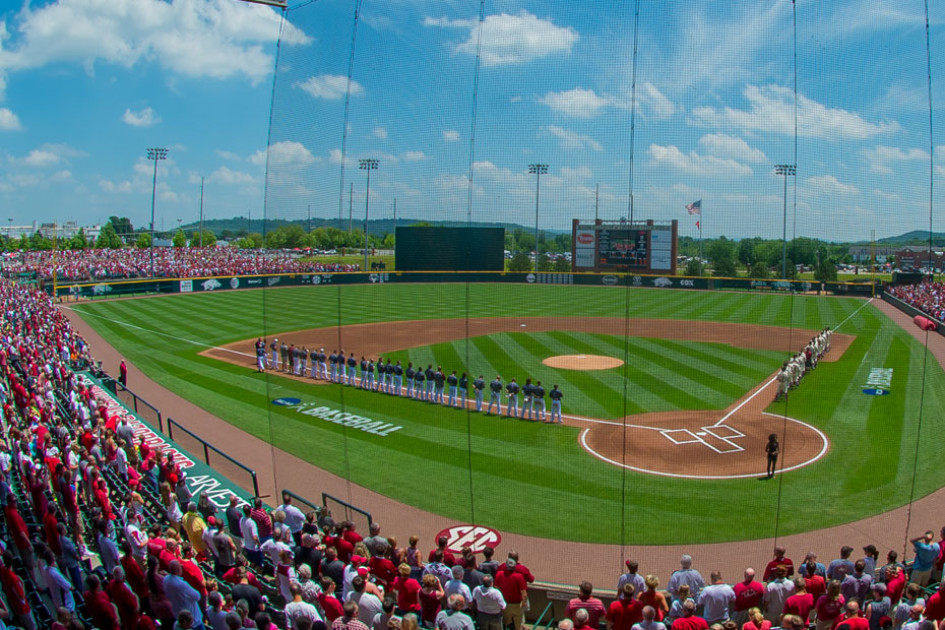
(668, 434)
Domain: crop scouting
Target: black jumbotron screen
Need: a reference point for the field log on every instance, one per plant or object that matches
(449, 249)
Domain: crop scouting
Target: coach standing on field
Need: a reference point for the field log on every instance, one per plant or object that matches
(555, 395)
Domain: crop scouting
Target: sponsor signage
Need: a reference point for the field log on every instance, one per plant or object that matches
(879, 382)
(200, 477)
(475, 537)
(585, 239)
(609, 280)
(350, 420)
(186, 286)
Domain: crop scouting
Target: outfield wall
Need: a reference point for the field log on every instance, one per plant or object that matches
(912, 311)
(127, 288)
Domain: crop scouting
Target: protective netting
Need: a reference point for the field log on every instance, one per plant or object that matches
(809, 123)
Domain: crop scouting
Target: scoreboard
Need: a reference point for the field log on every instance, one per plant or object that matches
(620, 246)
(428, 248)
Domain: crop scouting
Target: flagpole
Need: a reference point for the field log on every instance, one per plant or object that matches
(701, 258)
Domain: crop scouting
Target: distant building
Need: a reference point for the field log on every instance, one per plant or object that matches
(919, 257)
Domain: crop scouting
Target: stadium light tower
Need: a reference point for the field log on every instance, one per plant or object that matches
(155, 154)
(537, 170)
(369, 164)
(786, 170)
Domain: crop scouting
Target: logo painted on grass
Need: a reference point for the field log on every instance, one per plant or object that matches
(879, 382)
(350, 420)
(476, 537)
(286, 402)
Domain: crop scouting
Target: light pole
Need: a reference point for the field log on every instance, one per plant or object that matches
(368, 164)
(786, 170)
(155, 154)
(537, 170)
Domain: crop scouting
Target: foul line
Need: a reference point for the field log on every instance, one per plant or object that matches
(156, 332)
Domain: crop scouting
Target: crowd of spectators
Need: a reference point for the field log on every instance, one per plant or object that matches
(94, 265)
(928, 297)
(100, 529)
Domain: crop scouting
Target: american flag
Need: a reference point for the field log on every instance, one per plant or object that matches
(695, 207)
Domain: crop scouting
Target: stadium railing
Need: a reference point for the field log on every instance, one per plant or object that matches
(140, 406)
(220, 461)
(356, 515)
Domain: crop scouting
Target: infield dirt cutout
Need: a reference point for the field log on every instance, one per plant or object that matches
(709, 444)
(582, 362)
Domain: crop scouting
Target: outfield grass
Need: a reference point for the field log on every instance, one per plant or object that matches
(535, 479)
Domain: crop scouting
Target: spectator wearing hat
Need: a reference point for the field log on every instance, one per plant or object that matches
(632, 576)
(879, 608)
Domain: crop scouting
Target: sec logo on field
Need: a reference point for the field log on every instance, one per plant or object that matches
(286, 402)
(872, 391)
(476, 537)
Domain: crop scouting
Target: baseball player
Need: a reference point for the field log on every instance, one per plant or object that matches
(511, 388)
(409, 373)
(303, 360)
(419, 385)
(526, 400)
(479, 385)
(333, 365)
(370, 375)
(538, 401)
(313, 356)
(389, 377)
(293, 365)
(452, 380)
(439, 381)
(363, 366)
(352, 370)
(428, 390)
(463, 388)
(323, 363)
(495, 391)
(555, 395)
(398, 378)
(284, 356)
(260, 355)
(274, 348)
(381, 374)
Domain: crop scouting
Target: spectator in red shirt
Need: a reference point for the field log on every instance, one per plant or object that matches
(448, 558)
(852, 620)
(407, 590)
(626, 610)
(330, 603)
(124, 599)
(935, 606)
(895, 583)
(800, 603)
(778, 560)
(594, 607)
(748, 595)
(689, 620)
(514, 589)
(813, 582)
(99, 605)
(15, 592)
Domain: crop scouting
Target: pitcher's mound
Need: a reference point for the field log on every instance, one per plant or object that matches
(582, 362)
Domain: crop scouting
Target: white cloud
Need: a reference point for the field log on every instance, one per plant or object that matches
(413, 156)
(9, 121)
(224, 175)
(695, 164)
(40, 158)
(112, 187)
(330, 87)
(228, 155)
(830, 185)
(881, 157)
(334, 157)
(143, 118)
(771, 109)
(450, 136)
(574, 140)
(654, 103)
(726, 146)
(216, 38)
(380, 133)
(509, 39)
(61, 176)
(285, 153)
(578, 102)
(581, 172)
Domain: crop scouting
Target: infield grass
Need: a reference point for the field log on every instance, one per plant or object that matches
(535, 479)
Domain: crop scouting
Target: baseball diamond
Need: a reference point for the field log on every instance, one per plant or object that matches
(690, 408)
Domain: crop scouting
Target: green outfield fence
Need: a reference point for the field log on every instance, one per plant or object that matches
(129, 288)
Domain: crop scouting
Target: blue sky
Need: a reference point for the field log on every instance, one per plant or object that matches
(87, 85)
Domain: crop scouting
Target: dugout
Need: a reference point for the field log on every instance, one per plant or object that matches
(427, 248)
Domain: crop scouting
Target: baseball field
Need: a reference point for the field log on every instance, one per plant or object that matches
(665, 447)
